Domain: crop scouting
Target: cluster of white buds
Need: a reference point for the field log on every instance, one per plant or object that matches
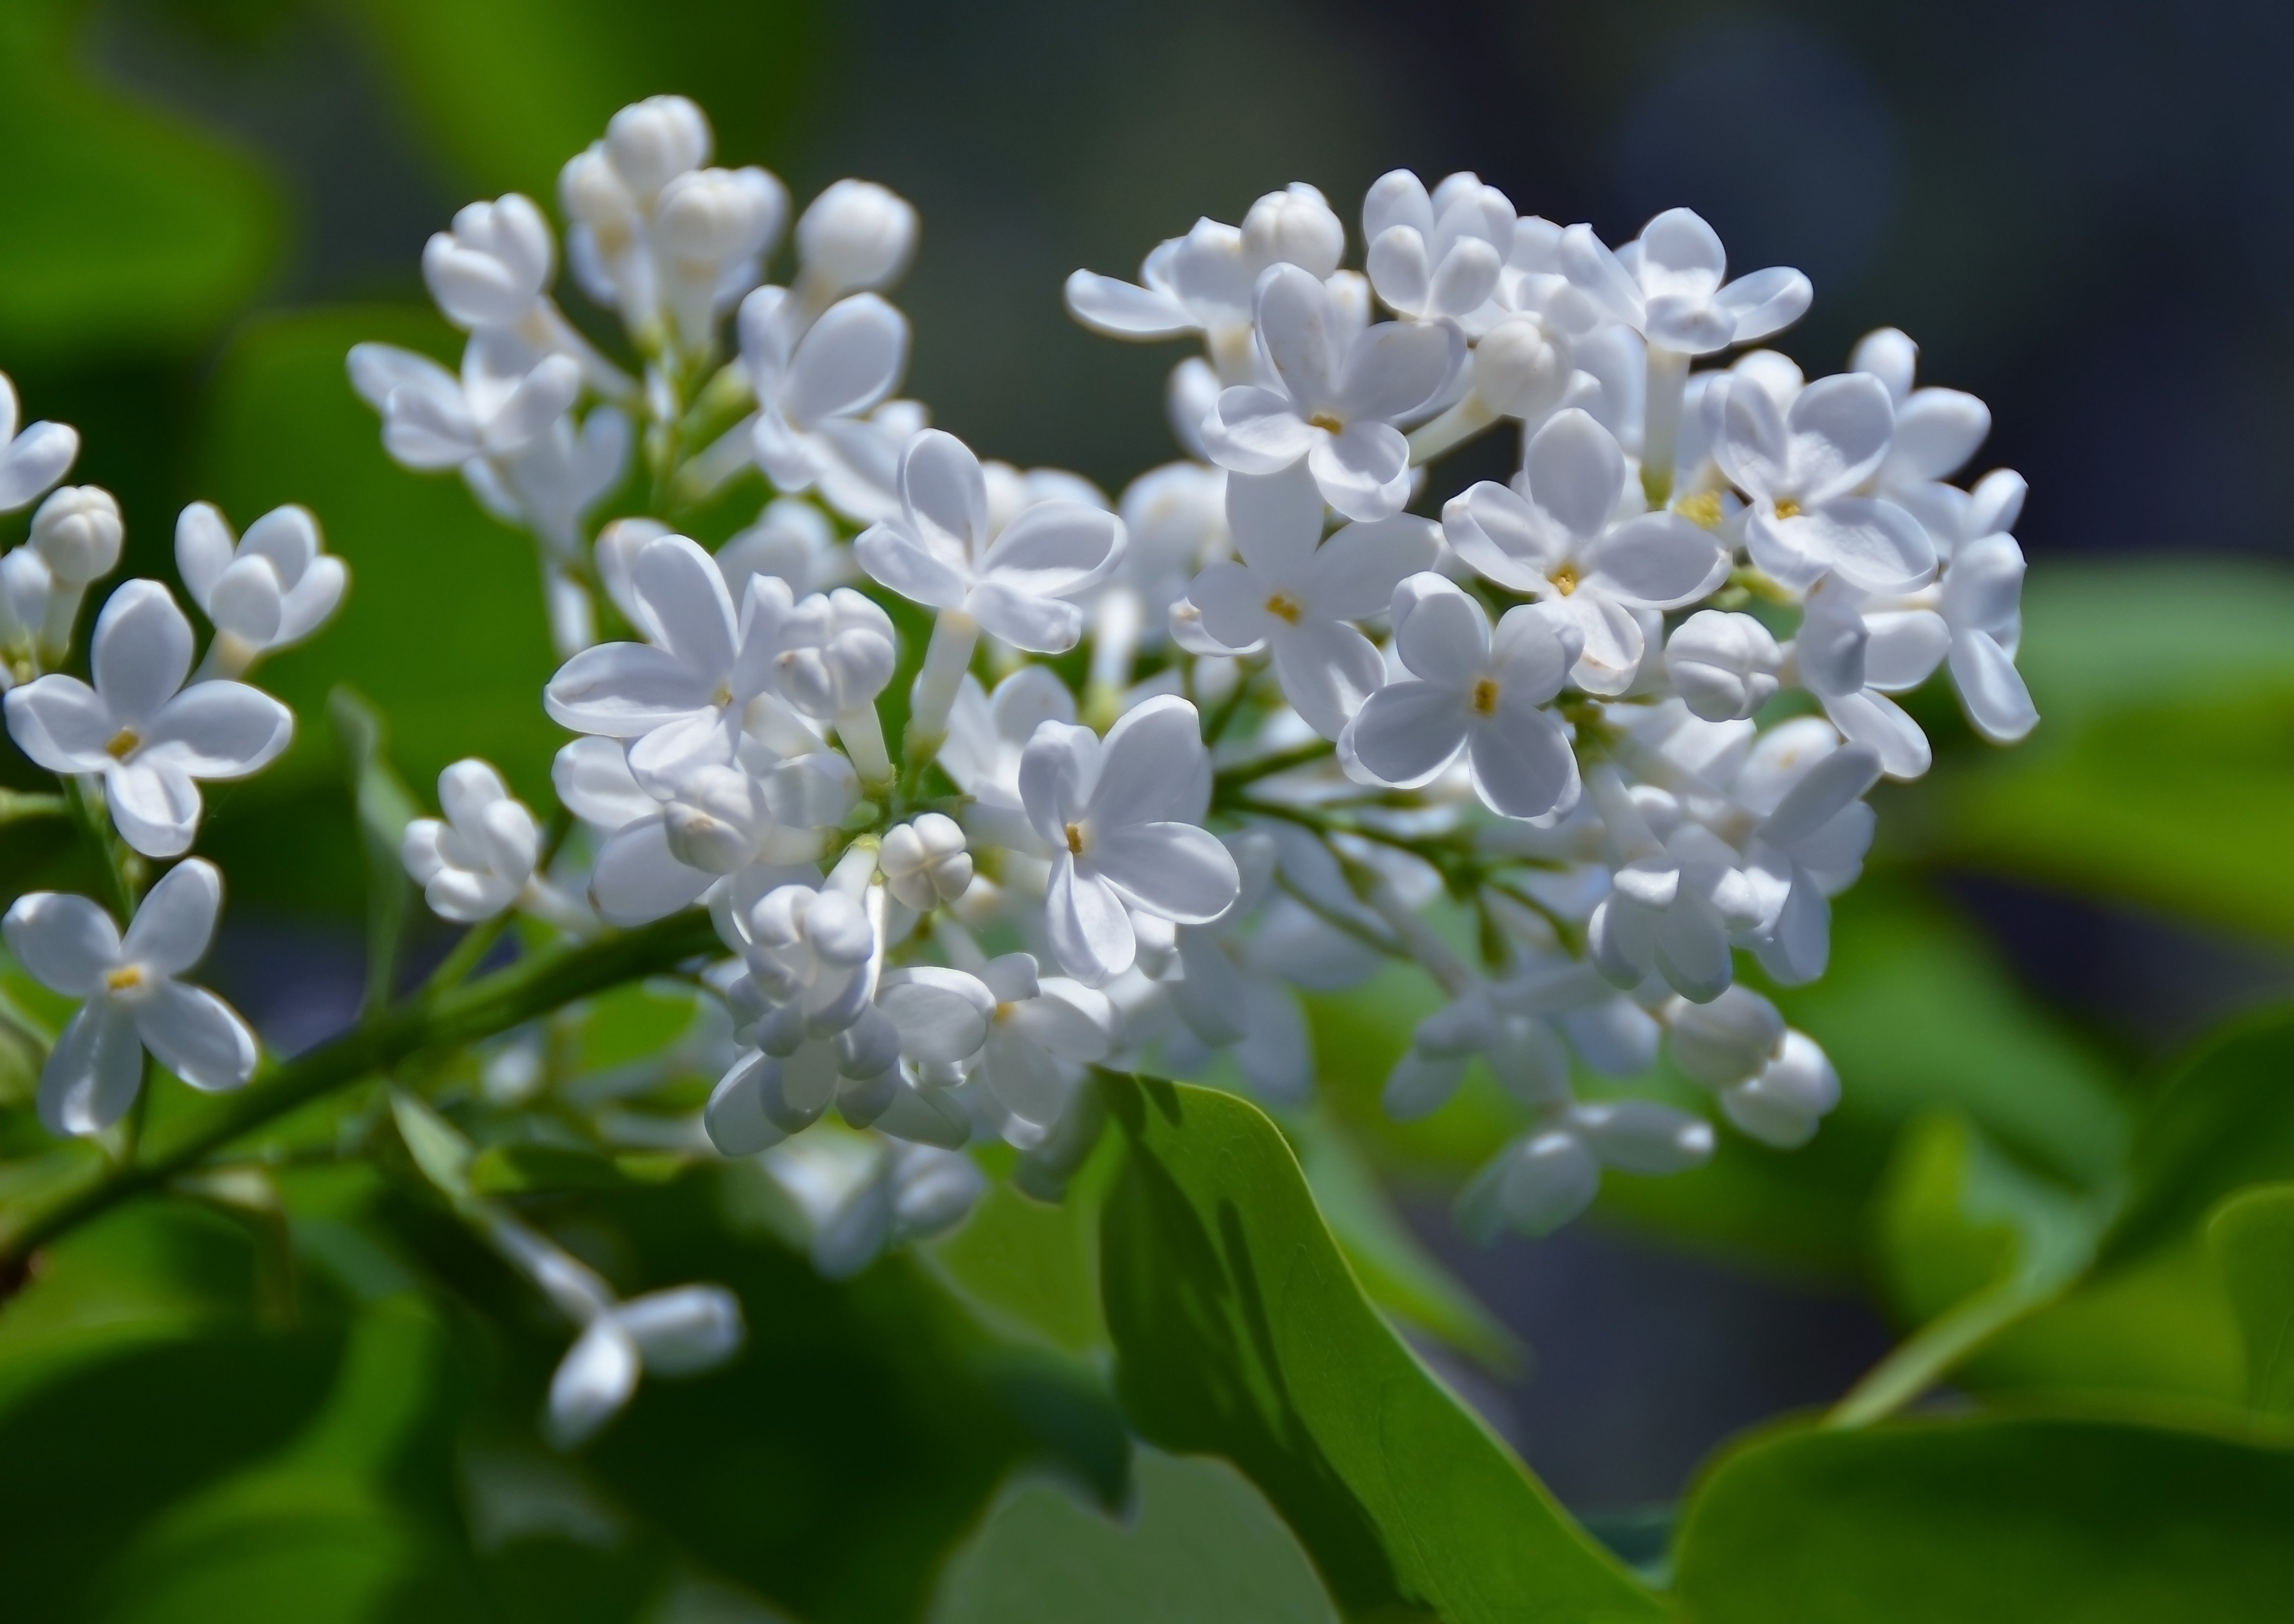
(1573, 748)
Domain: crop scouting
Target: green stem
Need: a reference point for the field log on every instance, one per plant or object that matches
(452, 1016)
(1216, 729)
(22, 806)
(95, 827)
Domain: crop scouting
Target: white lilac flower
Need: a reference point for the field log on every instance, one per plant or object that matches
(938, 551)
(1202, 283)
(480, 858)
(815, 395)
(924, 861)
(678, 697)
(1042, 1031)
(834, 656)
(856, 237)
(1329, 399)
(1852, 661)
(858, 1194)
(149, 738)
(1802, 470)
(1298, 593)
(1675, 903)
(1556, 536)
(265, 591)
(1119, 817)
(1434, 256)
(712, 820)
(133, 997)
(1937, 431)
(505, 425)
(1814, 830)
(1474, 693)
(32, 455)
(1551, 1174)
(1522, 1053)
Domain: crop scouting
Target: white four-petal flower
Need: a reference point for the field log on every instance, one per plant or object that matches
(133, 997)
(266, 592)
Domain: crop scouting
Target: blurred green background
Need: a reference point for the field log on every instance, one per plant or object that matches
(2080, 214)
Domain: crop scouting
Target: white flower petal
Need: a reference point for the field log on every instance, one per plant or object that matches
(172, 929)
(1090, 928)
(1300, 330)
(1659, 561)
(593, 782)
(1576, 471)
(851, 359)
(1407, 732)
(1326, 670)
(637, 878)
(1124, 310)
(154, 804)
(735, 1117)
(196, 1036)
(1523, 765)
(897, 557)
(944, 493)
(62, 723)
(1840, 428)
(1353, 573)
(142, 652)
(1937, 431)
(1991, 690)
(1251, 430)
(1394, 368)
(1873, 719)
(1055, 549)
(93, 1072)
(1276, 520)
(1363, 470)
(66, 942)
(595, 1380)
(942, 1015)
(684, 605)
(1174, 871)
(1442, 634)
(1040, 625)
(624, 689)
(203, 549)
(685, 1330)
(1501, 536)
(218, 730)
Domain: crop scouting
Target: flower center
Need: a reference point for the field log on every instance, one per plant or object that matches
(1565, 579)
(1075, 840)
(1328, 422)
(724, 694)
(1004, 1012)
(123, 744)
(1285, 608)
(1787, 508)
(1485, 696)
(127, 979)
(1703, 508)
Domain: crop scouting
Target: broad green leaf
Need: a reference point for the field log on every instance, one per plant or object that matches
(1029, 1268)
(513, 88)
(127, 228)
(1397, 1272)
(384, 809)
(2224, 1121)
(442, 630)
(353, 1518)
(2160, 772)
(1969, 1242)
(1241, 1331)
(1203, 1546)
(2252, 1236)
(2013, 1520)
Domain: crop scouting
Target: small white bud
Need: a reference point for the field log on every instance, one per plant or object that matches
(717, 819)
(79, 531)
(1535, 1185)
(492, 267)
(857, 235)
(1889, 355)
(1724, 666)
(595, 194)
(713, 217)
(924, 863)
(1782, 1106)
(1644, 1137)
(1520, 369)
(654, 141)
(1294, 226)
(1726, 1040)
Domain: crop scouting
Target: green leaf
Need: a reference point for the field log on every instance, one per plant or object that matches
(506, 1170)
(1030, 1269)
(514, 88)
(127, 229)
(385, 808)
(1969, 1242)
(1397, 1272)
(1203, 1545)
(2160, 772)
(437, 1146)
(356, 1517)
(2224, 1121)
(442, 631)
(1241, 1331)
(2068, 1520)
(2252, 1236)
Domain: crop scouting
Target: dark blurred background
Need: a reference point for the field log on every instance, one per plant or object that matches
(2082, 213)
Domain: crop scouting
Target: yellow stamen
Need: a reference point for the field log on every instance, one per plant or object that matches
(1485, 697)
(1787, 508)
(123, 744)
(1703, 508)
(1286, 608)
(1323, 420)
(1565, 579)
(724, 695)
(1075, 840)
(1004, 1012)
(127, 979)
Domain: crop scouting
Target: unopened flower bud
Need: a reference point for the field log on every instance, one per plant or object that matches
(654, 141)
(856, 235)
(1644, 1137)
(1726, 1040)
(595, 194)
(714, 217)
(1723, 666)
(1535, 1186)
(924, 863)
(79, 531)
(1520, 369)
(717, 819)
(1294, 226)
(1782, 1106)
(492, 267)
